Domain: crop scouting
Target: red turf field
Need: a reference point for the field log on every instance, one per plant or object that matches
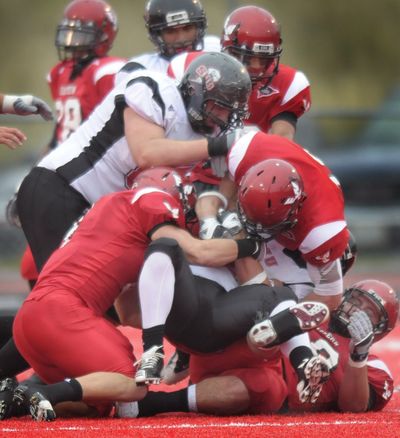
(383, 424)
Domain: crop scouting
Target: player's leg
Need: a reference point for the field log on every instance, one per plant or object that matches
(164, 277)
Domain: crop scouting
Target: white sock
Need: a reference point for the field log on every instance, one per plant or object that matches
(282, 306)
(192, 401)
(156, 289)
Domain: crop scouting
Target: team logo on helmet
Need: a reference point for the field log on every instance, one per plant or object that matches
(297, 192)
(210, 76)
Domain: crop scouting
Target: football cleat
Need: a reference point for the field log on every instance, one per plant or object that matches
(177, 368)
(150, 366)
(39, 407)
(313, 372)
(308, 315)
(7, 387)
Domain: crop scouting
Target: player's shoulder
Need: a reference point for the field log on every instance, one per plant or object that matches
(290, 74)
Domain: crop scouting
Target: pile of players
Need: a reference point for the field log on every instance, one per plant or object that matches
(175, 200)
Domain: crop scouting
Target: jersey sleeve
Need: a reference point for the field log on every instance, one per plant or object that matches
(157, 208)
(380, 381)
(142, 95)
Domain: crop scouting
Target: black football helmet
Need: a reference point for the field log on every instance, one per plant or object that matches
(162, 14)
(211, 83)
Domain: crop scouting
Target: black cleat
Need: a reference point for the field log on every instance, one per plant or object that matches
(150, 366)
(37, 404)
(7, 387)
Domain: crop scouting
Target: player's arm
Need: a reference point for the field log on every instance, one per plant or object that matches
(215, 252)
(328, 283)
(149, 147)
(283, 127)
(354, 390)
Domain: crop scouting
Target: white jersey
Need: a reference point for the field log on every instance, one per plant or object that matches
(96, 160)
(156, 62)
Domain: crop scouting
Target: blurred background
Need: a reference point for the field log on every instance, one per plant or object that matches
(349, 52)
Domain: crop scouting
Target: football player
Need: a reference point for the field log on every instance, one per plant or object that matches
(143, 122)
(236, 381)
(173, 26)
(290, 200)
(101, 254)
(82, 78)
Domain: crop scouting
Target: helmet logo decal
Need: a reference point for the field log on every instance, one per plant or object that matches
(296, 192)
(174, 211)
(176, 18)
(210, 76)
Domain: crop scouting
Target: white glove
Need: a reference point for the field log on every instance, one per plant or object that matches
(218, 166)
(26, 105)
(362, 336)
(210, 228)
(230, 220)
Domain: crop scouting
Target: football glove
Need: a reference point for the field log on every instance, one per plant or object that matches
(26, 105)
(210, 228)
(362, 336)
(230, 221)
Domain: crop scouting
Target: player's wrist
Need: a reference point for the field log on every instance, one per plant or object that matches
(248, 248)
(217, 146)
(8, 104)
(358, 363)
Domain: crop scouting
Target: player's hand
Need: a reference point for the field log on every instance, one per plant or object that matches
(27, 105)
(362, 335)
(230, 220)
(210, 228)
(11, 137)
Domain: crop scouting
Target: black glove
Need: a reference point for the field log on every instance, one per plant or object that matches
(362, 336)
(218, 146)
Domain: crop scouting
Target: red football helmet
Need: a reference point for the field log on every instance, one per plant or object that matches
(253, 36)
(170, 181)
(269, 197)
(376, 298)
(88, 28)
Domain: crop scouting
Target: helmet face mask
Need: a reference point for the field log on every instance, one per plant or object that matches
(376, 298)
(87, 30)
(215, 88)
(252, 35)
(163, 16)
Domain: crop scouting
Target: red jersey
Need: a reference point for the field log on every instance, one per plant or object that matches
(76, 98)
(336, 349)
(288, 92)
(105, 251)
(321, 233)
